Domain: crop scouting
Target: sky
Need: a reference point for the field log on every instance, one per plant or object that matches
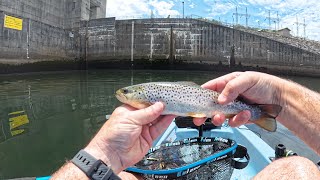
(288, 12)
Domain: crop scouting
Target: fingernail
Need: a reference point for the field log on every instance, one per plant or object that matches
(245, 116)
(159, 105)
(222, 98)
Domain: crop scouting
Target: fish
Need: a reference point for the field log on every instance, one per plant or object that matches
(190, 99)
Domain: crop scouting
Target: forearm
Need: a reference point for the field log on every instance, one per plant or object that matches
(300, 114)
(69, 171)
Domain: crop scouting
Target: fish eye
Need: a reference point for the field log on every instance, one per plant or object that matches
(125, 91)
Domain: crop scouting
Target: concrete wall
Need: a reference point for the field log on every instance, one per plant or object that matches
(46, 11)
(47, 32)
(192, 41)
(98, 9)
(60, 13)
(36, 41)
(107, 39)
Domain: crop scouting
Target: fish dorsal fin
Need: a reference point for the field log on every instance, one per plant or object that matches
(189, 83)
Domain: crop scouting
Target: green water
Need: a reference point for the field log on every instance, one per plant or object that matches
(65, 109)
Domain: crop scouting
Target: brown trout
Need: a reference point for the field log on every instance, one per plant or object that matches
(189, 99)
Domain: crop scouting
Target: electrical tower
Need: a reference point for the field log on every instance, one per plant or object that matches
(236, 14)
(275, 20)
(242, 15)
(304, 28)
(302, 24)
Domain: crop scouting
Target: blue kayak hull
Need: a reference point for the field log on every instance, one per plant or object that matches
(259, 151)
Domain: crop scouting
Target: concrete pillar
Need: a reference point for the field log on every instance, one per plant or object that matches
(151, 45)
(210, 40)
(207, 48)
(28, 37)
(224, 40)
(132, 41)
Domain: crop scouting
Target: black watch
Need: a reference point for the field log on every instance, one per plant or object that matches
(93, 168)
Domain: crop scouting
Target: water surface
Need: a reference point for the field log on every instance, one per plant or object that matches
(61, 111)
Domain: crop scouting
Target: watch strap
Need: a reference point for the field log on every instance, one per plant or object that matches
(93, 168)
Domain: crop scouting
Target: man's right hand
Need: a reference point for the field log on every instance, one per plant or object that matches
(253, 87)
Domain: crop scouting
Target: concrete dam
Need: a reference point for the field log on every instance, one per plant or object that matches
(147, 43)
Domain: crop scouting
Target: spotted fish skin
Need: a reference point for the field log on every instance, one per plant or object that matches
(182, 99)
(189, 99)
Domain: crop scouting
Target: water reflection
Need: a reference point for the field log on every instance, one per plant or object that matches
(46, 118)
(58, 113)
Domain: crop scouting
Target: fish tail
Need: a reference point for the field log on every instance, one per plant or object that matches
(267, 120)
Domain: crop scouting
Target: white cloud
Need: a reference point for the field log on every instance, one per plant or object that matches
(140, 8)
(264, 2)
(192, 5)
(127, 9)
(163, 8)
(219, 8)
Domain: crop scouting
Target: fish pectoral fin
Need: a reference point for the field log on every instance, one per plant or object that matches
(229, 116)
(140, 105)
(196, 115)
(267, 123)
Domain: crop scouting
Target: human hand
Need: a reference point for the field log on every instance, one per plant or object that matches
(128, 135)
(253, 87)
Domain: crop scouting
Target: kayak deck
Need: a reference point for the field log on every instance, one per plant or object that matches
(258, 150)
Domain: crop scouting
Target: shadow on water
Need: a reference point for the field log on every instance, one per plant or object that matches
(45, 118)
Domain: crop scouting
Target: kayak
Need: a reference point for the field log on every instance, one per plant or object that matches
(260, 152)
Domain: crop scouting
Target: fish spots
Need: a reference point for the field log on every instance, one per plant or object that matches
(178, 98)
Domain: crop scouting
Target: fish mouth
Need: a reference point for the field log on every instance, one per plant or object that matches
(120, 96)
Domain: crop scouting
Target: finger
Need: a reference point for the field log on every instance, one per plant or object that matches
(235, 87)
(147, 115)
(160, 126)
(123, 108)
(218, 84)
(199, 121)
(240, 119)
(215, 85)
(218, 119)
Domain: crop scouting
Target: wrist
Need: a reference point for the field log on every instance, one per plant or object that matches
(287, 97)
(68, 171)
(278, 85)
(104, 155)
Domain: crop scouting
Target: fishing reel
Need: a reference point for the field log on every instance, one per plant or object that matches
(281, 151)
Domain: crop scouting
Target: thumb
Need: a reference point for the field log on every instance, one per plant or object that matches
(149, 114)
